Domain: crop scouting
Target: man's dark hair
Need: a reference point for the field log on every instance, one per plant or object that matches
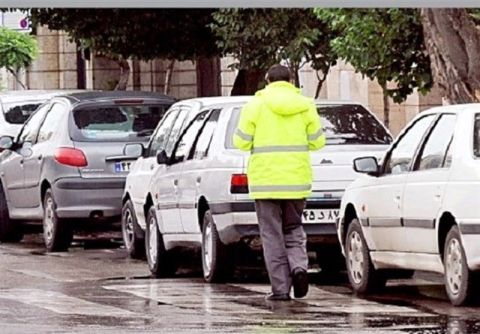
(278, 73)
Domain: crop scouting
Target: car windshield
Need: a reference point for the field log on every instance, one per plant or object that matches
(351, 124)
(116, 122)
(343, 124)
(19, 112)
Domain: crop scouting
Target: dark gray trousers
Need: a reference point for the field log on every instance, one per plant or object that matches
(284, 240)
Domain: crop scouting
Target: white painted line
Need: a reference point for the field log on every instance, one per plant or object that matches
(334, 302)
(41, 274)
(60, 303)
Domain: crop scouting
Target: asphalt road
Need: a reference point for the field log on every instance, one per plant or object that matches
(95, 288)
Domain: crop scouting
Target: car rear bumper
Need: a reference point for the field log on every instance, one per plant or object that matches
(89, 198)
(237, 221)
(316, 233)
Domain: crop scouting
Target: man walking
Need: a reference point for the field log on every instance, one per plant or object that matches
(280, 126)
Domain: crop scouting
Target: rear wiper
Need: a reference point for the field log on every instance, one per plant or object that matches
(343, 136)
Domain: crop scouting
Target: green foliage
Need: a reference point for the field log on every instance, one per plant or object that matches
(17, 50)
(383, 44)
(143, 34)
(259, 38)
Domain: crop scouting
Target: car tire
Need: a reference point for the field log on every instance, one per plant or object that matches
(57, 233)
(361, 273)
(132, 234)
(9, 229)
(459, 280)
(217, 264)
(158, 259)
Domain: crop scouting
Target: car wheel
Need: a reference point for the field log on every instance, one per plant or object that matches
(362, 275)
(9, 230)
(459, 280)
(57, 233)
(132, 233)
(158, 259)
(216, 260)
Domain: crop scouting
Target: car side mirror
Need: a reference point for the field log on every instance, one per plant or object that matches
(133, 150)
(366, 165)
(6, 143)
(162, 158)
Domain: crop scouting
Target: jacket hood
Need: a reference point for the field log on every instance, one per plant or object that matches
(284, 98)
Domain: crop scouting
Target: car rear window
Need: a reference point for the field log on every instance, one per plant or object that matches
(116, 122)
(19, 112)
(476, 136)
(351, 124)
(343, 124)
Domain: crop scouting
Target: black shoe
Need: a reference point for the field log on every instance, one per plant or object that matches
(300, 282)
(278, 298)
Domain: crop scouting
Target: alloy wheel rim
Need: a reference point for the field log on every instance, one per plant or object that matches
(48, 225)
(355, 257)
(152, 244)
(454, 266)
(207, 249)
(128, 232)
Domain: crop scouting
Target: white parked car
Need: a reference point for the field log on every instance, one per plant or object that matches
(418, 209)
(190, 186)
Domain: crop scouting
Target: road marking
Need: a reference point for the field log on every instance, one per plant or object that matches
(41, 274)
(338, 303)
(200, 296)
(60, 303)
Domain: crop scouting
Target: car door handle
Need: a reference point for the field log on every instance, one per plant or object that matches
(175, 183)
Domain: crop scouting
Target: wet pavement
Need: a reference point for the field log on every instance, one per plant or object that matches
(94, 288)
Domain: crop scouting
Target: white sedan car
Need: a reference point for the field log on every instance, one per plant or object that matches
(190, 187)
(418, 209)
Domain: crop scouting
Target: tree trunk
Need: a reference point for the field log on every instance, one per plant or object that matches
(124, 74)
(321, 80)
(15, 75)
(247, 82)
(386, 107)
(168, 77)
(296, 76)
(453, 43)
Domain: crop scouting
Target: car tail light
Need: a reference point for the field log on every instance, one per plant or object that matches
(239, 184)
(70, 156)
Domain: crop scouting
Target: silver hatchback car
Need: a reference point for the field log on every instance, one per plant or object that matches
(70, 160)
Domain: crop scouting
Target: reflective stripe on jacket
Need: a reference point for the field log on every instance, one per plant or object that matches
(279, 126)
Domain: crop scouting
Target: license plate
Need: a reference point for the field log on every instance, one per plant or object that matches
(122, 166)
(320, 216)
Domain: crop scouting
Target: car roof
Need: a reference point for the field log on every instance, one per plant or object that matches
(10, 96)
(215, 100)
(97, 96)
(336, 102)
(220, 100)
(453, 108)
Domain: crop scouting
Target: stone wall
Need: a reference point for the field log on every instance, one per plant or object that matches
(55, 66)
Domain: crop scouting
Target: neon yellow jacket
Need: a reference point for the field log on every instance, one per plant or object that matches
(279, 126)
